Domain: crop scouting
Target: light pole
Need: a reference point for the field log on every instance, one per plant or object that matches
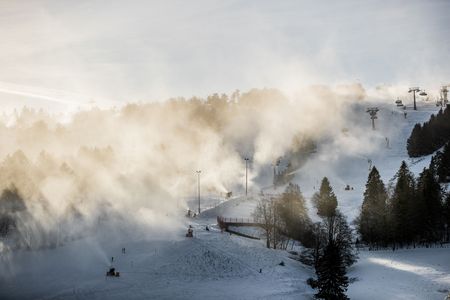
(444, 92)
(246, 174)
(275, 172)
(198, 188)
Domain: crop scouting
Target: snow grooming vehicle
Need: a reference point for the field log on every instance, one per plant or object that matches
(112, 273)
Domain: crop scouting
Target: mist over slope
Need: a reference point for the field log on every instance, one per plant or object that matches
(137, 162)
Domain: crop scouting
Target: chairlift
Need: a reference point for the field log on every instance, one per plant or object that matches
(422, 93)
(399, 102)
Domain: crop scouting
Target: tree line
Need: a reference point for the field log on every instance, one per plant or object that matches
(409, 212)
(328, 243)
(432, 135)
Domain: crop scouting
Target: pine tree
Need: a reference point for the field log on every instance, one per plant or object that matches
(325, 200)
(372, 220)
(343, 237)
(402, 206)
(336, 252)
(432, 135)
(11, 205)
(293, 212)
(428, 208)
(443, 168)
(446, 216)
(435, 163)
(413, 142)
(332, 281)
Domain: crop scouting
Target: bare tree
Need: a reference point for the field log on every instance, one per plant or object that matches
(266, 213)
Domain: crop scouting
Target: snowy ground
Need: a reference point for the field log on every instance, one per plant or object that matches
(347, 161)
(403, 274)
(212, 265)
(216, 265)
(344, 159)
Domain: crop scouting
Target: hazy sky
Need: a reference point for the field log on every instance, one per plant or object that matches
(79, 51)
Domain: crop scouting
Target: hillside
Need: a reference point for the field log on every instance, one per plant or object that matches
(210, 265)
(215, 264)
(411, 274)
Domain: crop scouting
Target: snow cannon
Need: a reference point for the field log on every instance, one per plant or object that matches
(190, 232)
(112, 273)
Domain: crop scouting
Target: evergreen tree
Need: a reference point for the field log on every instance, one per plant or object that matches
(435, 163)
(372, 220)
(293, 213)
(428, 208)
(443, 168)
(325, 200)
(446, 216)
(432, 135)
(402, 206)
(332, 281)
(11, 205)
(337, 252)
(342, 237)
(413, 142)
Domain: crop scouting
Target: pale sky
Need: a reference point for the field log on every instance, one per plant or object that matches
(119, 51)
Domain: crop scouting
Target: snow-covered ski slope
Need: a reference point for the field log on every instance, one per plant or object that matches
(403, 274)
(212, 265)
(215, 265)
(345, 159)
